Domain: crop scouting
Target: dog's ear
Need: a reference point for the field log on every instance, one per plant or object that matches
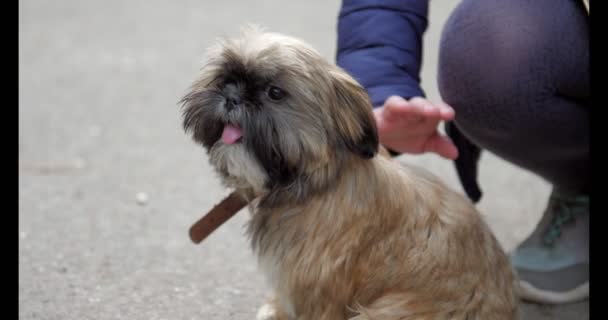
(354, 119)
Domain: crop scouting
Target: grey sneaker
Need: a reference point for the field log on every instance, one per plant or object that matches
(553, 262)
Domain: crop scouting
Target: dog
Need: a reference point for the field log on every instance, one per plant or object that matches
(340, 231)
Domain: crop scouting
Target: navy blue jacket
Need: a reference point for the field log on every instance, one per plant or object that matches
(380, 45)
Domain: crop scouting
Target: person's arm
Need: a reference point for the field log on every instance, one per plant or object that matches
(380, 45)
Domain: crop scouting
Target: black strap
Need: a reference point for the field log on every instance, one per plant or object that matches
(466, 163)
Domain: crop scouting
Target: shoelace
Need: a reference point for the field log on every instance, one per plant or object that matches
(568, 209)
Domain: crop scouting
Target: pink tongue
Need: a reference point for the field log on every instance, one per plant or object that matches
(231, 134)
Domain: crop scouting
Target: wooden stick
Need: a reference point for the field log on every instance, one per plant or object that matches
(219, 214)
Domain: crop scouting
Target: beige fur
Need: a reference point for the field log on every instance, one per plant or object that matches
(388, 243)
(350, 237)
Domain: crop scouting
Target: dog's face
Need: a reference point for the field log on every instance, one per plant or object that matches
(272, 113)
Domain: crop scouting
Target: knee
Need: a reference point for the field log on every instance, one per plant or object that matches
(484, 58)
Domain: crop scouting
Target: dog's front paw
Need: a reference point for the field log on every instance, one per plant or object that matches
(267, 312)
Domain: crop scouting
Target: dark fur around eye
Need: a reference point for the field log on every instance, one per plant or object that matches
(275, 93)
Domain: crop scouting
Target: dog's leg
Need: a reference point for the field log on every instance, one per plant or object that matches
(267, 312)
(271, 311)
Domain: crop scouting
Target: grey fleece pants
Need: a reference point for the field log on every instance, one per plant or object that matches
(517, 74)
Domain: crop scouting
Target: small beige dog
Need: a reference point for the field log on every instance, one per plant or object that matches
(340, 232)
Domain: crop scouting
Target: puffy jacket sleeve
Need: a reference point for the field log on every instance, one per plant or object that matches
(380, 45)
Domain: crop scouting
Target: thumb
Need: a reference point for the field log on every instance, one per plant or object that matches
(442, 146)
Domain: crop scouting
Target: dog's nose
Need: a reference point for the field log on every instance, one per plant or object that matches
(233, 100)
(232, 95)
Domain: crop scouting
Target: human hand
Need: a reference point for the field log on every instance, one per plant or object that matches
(411, 126)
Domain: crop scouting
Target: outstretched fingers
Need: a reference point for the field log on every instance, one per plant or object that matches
(442, 145)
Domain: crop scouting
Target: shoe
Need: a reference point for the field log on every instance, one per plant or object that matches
(552, 264)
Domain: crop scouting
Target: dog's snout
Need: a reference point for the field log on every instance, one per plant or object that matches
(232, 95)
(231, 102)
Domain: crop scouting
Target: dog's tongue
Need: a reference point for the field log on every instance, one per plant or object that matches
(231, 134)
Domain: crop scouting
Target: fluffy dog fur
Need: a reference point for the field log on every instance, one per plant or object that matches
(340, 232)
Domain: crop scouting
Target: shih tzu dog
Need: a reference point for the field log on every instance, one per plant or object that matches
(341, 231)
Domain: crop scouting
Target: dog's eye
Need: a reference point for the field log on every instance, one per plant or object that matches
(275, 93)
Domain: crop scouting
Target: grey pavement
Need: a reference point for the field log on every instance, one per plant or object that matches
(99, 124)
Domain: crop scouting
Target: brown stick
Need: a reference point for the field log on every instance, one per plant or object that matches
(216, 217)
